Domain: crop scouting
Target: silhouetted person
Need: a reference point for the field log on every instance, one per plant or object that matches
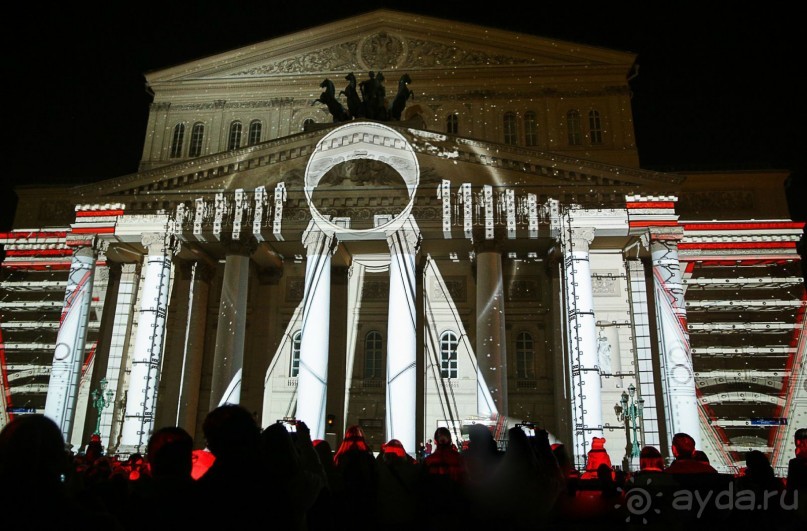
(444, 483)
(566, 465)
(523, 480)
(325, 453)
(700, 455)
(597, 456)
(760, 479)
(797, 466)
(236, 487)
(650, 460)
(34, 466)
(482, 457)
(357, 466)
(398, 476)
(796, 483)
(683, 448)
(323, 515)
(445, 459)
(165, 499)
(286, 470)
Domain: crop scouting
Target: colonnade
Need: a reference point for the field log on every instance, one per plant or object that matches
(573, 240)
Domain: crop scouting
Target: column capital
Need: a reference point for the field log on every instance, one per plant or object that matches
(580, 238)
(159, 243)
(316, 241)
(405, 240)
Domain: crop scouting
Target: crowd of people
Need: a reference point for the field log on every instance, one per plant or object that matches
(275, 478)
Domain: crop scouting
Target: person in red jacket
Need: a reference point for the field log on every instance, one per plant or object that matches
(597, 456)
(445, 459)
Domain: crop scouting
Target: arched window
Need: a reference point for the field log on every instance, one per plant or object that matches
(234, 140)
(530, 129)
(307, 122)
(197, 135)
(372, 355)
(452, 124)
(448, 355)
(594, 127)
(296, 341)
(573, 126)
(525, 356)
(510, 128)
(177, 140)
(254, 132)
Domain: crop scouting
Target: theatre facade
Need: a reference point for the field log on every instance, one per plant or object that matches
(335, 249)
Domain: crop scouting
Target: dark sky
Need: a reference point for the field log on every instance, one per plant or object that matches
(717, 89)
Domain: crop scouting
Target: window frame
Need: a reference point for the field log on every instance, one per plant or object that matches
(594, 127)
(254, 133)
(197, 139)
(574, 128)
(234, 135)
(449, 344)
(452, 123)
(294, 361)
(525, 356)
(510, 128)
(177, 141)
(530, 129)
(373, 355)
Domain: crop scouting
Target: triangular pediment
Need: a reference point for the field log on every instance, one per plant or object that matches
(391, 41)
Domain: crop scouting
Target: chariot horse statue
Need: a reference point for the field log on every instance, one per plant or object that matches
(355, 106)
(372, 103)
(328, 97)
(404, 93)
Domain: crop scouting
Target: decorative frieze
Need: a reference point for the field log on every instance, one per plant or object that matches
(605, 283)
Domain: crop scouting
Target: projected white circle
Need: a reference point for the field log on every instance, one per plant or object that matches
(362, 141)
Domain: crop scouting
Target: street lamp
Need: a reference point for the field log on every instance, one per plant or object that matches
(101, 401)
(630, 410)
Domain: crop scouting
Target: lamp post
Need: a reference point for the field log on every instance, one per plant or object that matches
(630, 410)
(101, 400)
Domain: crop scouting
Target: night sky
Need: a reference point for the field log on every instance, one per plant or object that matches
(717, 90)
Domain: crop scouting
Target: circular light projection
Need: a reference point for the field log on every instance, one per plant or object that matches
(362, 141)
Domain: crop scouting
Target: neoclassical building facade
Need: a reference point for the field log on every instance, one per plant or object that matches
(486, 249)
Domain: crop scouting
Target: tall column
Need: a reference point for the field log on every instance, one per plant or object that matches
(680, 399)
(491, 348)
(116, 364)
(645, 373)
(312, 379)
(400, 420)
(68, 356)
(582, 337)
(193, 348)
(141, 400)
(229, 357)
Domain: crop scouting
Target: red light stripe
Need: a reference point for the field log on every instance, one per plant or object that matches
(731, 263)
(96, 213)
(744, 226)
(37, 266)
(651, 223)
(94, 230)
(40, 252)
(31, 235)
(651, 204)
(739, 245)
